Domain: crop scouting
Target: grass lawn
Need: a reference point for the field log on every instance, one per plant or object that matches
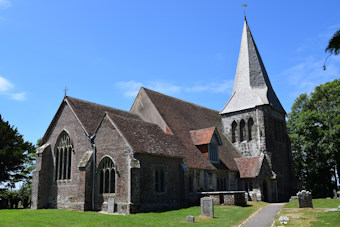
(224, 216)
(319, 216)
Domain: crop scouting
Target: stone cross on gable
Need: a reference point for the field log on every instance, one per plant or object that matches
(65, 91)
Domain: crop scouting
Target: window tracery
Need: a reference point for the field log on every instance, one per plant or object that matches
(63, 157)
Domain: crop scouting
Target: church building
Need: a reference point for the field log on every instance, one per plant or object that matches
(164, 151)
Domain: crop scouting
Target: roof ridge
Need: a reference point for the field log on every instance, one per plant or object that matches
(101, 105)
(146, 89)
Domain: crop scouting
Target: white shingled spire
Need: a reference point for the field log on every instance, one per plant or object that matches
(252, 86)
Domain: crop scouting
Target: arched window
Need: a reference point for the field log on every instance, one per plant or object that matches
(107, 176)
(233, 131)
(63, 155)
(242, 130)
(250, 129)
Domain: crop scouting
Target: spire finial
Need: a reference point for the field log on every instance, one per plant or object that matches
(244, 5)
(65, 92)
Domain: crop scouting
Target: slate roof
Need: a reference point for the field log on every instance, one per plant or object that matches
(145, 137)
(249, 167)
(183, 117)
(202, 136)
(252, 86)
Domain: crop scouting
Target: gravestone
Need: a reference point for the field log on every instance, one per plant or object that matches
(207, 207)
(305, 199)
(190, 219)
(111, 205)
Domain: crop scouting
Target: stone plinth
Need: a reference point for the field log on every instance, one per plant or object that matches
(190, 219)
(236, 198)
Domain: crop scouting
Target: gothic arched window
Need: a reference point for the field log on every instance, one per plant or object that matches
(63, 155)
(233, 132)
(107, 176)
(242, 130)
(250, 129)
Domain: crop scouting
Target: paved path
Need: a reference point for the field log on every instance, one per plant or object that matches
(264, 217)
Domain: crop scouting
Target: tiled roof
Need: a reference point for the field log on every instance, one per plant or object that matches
(202, 136)
(145, 137)
(183, 117)
(249, 167)
(90, 114)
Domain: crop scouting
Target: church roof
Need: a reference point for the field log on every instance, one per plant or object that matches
(252, 86)
(145, 137)
(90, 114)
(183, 117)
(202, 136)
(249, 167)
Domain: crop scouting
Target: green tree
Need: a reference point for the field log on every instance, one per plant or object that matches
(16, 155)
(314, 130)
(334, 44)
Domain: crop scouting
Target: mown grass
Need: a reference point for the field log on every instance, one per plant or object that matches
(319, 216)
(224, 216)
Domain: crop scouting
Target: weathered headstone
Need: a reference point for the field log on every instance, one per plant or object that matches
(207, 207)
(190, 219)
(111, 205)
(305, 199)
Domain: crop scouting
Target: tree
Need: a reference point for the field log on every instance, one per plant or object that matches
(15, 155)
(334, 44)
(314, 130)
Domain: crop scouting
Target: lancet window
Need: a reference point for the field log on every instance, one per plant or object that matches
(63, 156)
(107, 176)
(242, 130)
(250, 129)
(233, 131)
(159, 179)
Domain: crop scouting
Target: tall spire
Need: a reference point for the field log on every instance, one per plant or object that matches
(252, 86)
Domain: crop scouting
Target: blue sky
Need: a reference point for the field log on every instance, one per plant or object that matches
(104, 50)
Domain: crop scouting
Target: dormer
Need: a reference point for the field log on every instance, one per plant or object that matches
(207, 141)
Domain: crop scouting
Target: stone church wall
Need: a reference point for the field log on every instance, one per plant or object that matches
(172, 196)
(248, 148)
(67, 194)
(109, 143)
(279, 145)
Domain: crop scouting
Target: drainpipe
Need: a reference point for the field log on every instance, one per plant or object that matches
(94, 157)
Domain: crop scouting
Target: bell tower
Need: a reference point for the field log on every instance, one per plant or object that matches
(254, 119)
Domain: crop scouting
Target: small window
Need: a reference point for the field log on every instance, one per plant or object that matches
(213, 152)
(233, 131)
(160, 179)
(242, 130)
(191, 182)
(107, 176)
(250, 129)
(63, 156)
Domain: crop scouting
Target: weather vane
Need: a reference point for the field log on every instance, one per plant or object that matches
(244, 5)
(65, 92)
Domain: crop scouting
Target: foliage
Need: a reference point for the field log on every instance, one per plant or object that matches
(314, 130)
(334, 44)
(16, 155)
(225, 216)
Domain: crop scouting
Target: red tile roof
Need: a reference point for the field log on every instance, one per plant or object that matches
(183, 117)
(249, 167)
(90, 114)
(145, 137)
(202, 136)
